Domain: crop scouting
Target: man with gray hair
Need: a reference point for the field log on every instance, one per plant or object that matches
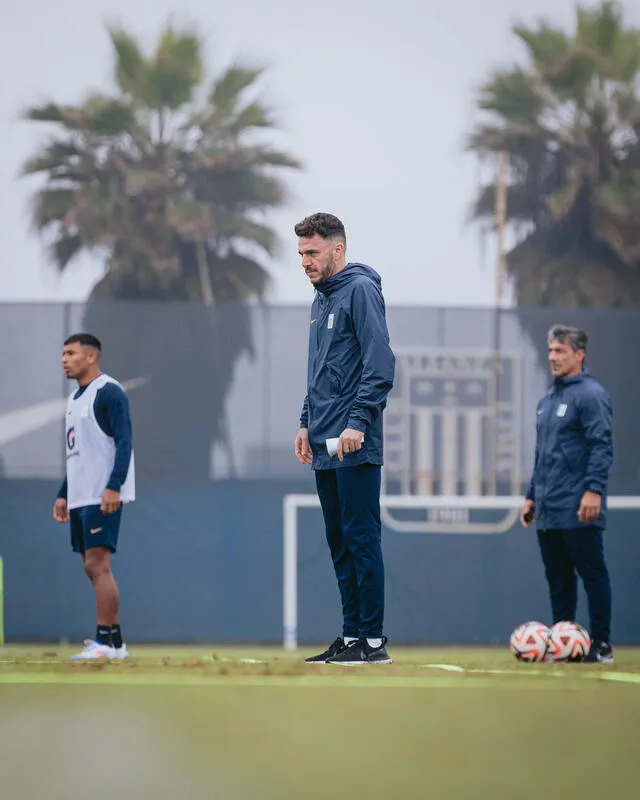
(568, 492)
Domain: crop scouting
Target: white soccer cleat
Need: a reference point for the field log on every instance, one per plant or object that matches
(120, 653)
(93, 651)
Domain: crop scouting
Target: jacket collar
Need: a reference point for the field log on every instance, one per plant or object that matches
(558, 382)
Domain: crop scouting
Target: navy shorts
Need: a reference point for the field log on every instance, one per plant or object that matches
(91, 528)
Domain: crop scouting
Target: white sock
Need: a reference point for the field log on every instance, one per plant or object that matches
(349, 639)
(375, 643)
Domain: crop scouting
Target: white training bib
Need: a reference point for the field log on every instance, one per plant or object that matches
(90, 452)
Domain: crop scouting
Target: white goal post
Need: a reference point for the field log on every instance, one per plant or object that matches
(451, 516)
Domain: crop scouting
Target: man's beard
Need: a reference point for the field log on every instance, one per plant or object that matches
(327, 272)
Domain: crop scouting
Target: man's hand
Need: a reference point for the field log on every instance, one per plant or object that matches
(61, 510)
(589, 507)
(110, 501)
(350, 440)
(527, 513)
(302, 449)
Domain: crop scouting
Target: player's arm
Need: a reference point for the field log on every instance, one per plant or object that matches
(531, 491)
(304, 414)
(597, 421)
(528, 510)
(111, 408)
(596, 415)
(60, 507)
(302, 448)
(378, 361)
(378, 366)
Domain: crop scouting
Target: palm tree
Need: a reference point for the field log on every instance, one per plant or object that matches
(171, 192)
(569, 122)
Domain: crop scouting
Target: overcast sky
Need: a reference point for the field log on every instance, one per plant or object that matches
(373, 97)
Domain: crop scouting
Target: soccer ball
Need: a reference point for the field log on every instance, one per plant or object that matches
(529, 641)
(568, 641)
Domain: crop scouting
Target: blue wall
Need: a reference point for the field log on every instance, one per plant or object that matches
(202, 562)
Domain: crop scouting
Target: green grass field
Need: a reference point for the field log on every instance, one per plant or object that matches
(235, 723)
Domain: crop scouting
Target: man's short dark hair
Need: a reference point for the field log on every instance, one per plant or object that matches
(86, 339)
(326, 225)
(565, 334)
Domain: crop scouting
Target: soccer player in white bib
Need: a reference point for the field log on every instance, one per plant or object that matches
(100, 478)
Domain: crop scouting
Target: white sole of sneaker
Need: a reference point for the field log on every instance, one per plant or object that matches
(359, 663)
(98, 658)
(609, 660)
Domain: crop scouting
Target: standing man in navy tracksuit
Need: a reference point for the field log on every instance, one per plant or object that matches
(350, 373)
(568, 492)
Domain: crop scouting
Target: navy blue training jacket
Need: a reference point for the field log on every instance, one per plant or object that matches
(351, 365)
(574, 451)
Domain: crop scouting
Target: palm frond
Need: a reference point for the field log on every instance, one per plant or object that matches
(546, 45)
(599, 29)
(617, 217)
(571, 77)
(65, 248)
(544, 276)
(257, 157)
(56, 156)
(513, 95)
(253, 115)
(239, 188)
(626, 56)
(175, 71)
(183, 49)
(264, 156)
(141, 179)
(247, 230)
(191, 220)
(236, 277)
(69, 116)
(522, 203)
(52, 205)
(224, 96)
(107, 117)
(560, 203)
(129, 62)
(517, 140)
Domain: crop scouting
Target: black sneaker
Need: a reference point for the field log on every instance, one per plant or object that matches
(377, 655)
(334, 649)
(353, 655)
(360, 652)
(600, 653)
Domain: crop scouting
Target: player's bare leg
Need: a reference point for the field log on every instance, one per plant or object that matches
(97, 565)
